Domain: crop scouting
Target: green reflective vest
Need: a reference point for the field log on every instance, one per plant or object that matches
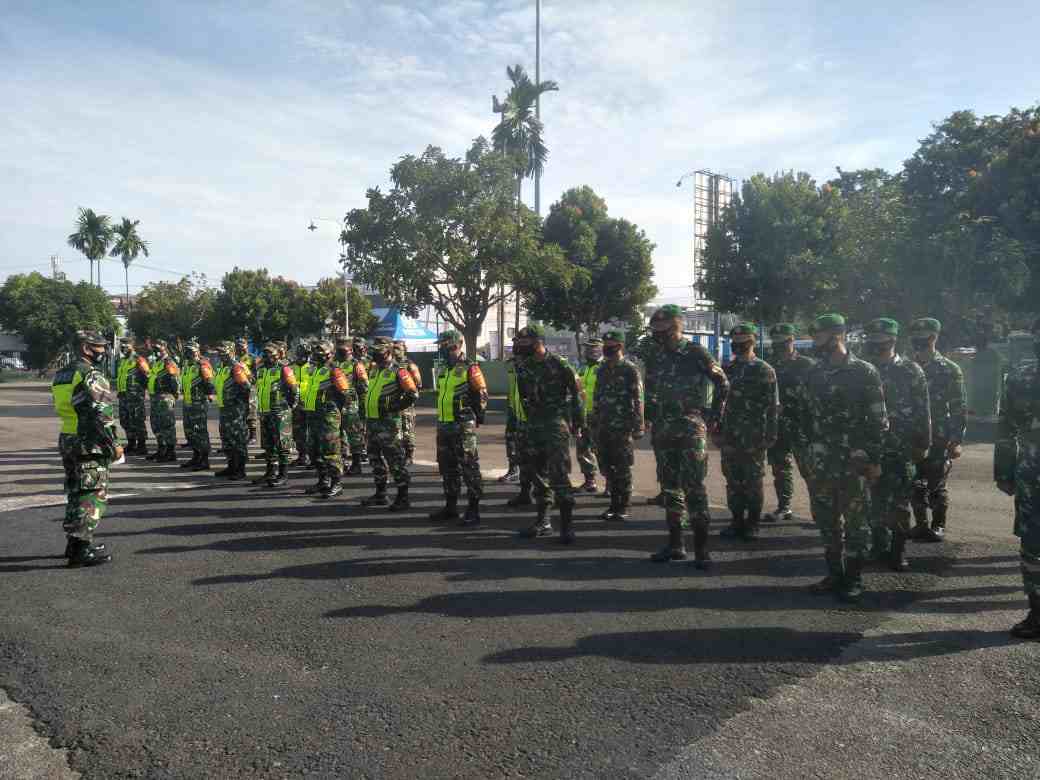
(382, 383)
(153, 374)
(126, 365)
(219, 379)
(451, 382)
(588, 376)
(314, 381)
(515, 403)
(62, 394)
(191, 371)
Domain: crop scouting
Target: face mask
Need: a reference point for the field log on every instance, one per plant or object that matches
(523, 349)
(744, 347)
(920, 344)
(342, 354)
(611, 352)
(95, 357)
(593, 356)
(382, 358)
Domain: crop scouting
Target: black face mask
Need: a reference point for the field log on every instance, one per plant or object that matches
(523, 350)
(382, 358)
(744, 347)
(342, 354)
(611, 352)
(920, 344)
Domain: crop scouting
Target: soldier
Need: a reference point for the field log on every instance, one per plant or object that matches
(302, 370)
(949, 401)
(461, 402)
(749, 430)
(584, 440)
(233, 386)
(391, 389)
(680, 378)
(352, 428)
(512, 425)
(408, 415)
(847, 408)
(360, 349)
(163, 388)
(88, 445)
(131, 384)
(242, 356)
(907, 441)
(552, 399)
(327, 390)
(792, 442)
(1016, 470)
(277, 394)
(617, 414)
(527, 473)
(197, 387)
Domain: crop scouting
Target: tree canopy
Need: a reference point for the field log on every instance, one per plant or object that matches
(174, 310)
(326, 308)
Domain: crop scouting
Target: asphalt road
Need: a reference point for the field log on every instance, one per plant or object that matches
(244, 632)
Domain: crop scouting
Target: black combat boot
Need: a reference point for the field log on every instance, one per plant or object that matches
(83, 553)
(320, 486)
(355, 466)
(472, 518)
(280, 479)
(239, 471)
(203, 462)
(735, 529)
(401, 501)
(920, 531)
(155, 455)
(754, 516)
(780, 515)
(512, 475)
(228, 467)
(675, 550)
(835, 574)
(376, 499)
(608, 513)
(447, 513)
(70, 546)
(541, 526)
(523, 498)
(267, 476)
(701, 556)
(566, 524)
(188, 464)
(334, 488)
(589, 485)
(897, 552)
(1029, 628)
(938, 530)
(850, 591)
(169, 455)
(621, 512)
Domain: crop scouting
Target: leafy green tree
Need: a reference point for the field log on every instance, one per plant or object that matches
(93, 236)
(127, 245)
(174, 310)
(264, 307)
(607, 271)
(47, 312)
(519, 132)
(326, 306)
(445, 235)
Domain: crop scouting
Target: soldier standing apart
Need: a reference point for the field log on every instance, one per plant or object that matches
(352, 428)
(907, 441)
(131, 384)
(408, 415)
(242, 356)
(163, 387)
(234, 388)
(391, 389)
(276, 395)
(88, 444)
(461, 401)
(527, 473)
(198, 389)
(792, 442)
(1016, 469)
(361, 355)
(617, 411)
(847, 408)
(327, 390)
(512, 425)
(949, 401)
(552, 398)
(749, 430)
(302, 370)
(681, 377)
(585, 440)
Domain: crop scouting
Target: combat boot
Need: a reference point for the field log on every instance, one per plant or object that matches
(377, 499)
(751, 525)
(355, 466)
(1029, 628)
(608, 513)
(70, 546)
(334, 488)
(897, 552)
(938, 530)
(621, 512)
(281, 479)
(401, 501)
(523, 498)
(701, 556)
(850, 591)
(154, 455)
(735, 529)
(228, 467)
(320, 486)
(675, 550)
(781, 515)
(267, 476)
(511, 475)
(920, 531)
(567, 524)
(169, 455)
(83, 553)
(188, 464)
(239, 470)
(472, 518)
(450, 511)
(881, 544)
(541, 526)
(202, 464)
(589, 485)
(835, 574)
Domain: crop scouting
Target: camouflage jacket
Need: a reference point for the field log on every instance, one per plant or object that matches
(753, 405)
(238, 387)
(1017, 447)
(617, 405)
(358, 374)
(549, 390)
(906, 401)
(94, 404)
(791, 375)
(683, 384)
(948, 398)
(847, 409)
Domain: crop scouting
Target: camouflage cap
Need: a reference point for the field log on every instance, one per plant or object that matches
(226, 346)
(449, 337)
(744, 331)
(783, 331)
(272, 346)
(882, 329)
(669, 311)
(125, 340)
(382, 344)
(531, 332)
(614, 335)
(323, 347)
(830, 322)
(592, 341)
(92, 337)
(926, 326)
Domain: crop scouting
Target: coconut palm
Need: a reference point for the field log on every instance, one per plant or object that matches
(93, 236)
(519, 131)
(127, 246)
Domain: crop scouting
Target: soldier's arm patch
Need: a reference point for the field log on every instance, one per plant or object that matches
(206, 370)
(142, 364)
(476, 379)
(405, 380)
(339, 379)
(240, 374)
(289, 376)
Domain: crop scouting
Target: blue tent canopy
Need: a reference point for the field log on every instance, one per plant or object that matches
(397, 326)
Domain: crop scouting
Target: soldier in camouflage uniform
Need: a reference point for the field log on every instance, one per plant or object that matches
(242, 356)
(461, 402)
(163, 388)
(949, 402)
(408, 415)
(328, 387)
(552, 399)
(617, 412)
(88, 445)
(302, 369)
(360, 350)
(585, 439)
(527, 473)
(233, 385)
(681, 377)
(391, 389)
(352, 428)
(907, 441)
(749, 430)
(130, 390)
(846, 407)
(1016, 470)
(197, 387)
(513, 423)
(277, 394)
(792, 442)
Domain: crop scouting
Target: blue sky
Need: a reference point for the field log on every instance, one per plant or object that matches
(226, 126)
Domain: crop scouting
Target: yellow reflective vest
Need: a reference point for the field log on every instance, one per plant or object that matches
(588, 376)
(62, 394)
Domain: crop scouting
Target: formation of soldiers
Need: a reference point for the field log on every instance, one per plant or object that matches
(873, 437)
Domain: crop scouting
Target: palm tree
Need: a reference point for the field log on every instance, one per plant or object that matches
(128, 245)
(92, 237)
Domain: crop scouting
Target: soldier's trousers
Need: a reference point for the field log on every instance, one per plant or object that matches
(1027, 515)
(386, 452)
(276, 436)
(783, 456)
(68, 447)
(585, 450)
(124, 414)
(458, 459)
(351, 432)
(616, 455)
(890, 499)
(512, 450)
(323, 442)
(533, 475)
(196, 426)
(164, 420)
(234, 431)
(744, 471)
(840, 511)
(299, 431)
(547, 455)
(682, 462)
(87, 496)
(253, 418)
(408, 431)
(930, 483)
(135, 417)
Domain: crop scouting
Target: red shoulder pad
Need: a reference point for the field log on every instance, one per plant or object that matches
(240, 374)
(142, 364)
(289, 376)
(406, 381)
(205, 370)
(476, 378)
(171, 368)
(339, 379)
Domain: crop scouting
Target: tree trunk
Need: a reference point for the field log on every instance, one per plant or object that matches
(126, 280)
(470, 335)
(91, 259)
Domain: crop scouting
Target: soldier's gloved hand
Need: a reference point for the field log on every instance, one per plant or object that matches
(954, 450)
(1006, 486)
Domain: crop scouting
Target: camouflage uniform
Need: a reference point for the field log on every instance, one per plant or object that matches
(618, 418)
(391, 389)
(528, 473)
(197, 387)
(233, 385)
(512, 427)
(252, 418)
(1016, 468)
(585, 439)
(163, 388)
(360, 350)
(408, 415)
(302, 371)
(277, 394)
(352, 427)
(327, 390)
(750, 429)
(792, 442)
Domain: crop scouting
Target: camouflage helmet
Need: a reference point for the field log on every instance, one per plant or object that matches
(925, 326)
(382, 344)
(302, 349)
(322, 348)
(93, 338)
(532, 332)
(881, 330)
(448, 337)
(744, 331)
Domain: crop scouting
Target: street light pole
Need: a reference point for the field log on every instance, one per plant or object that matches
(346, 282)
